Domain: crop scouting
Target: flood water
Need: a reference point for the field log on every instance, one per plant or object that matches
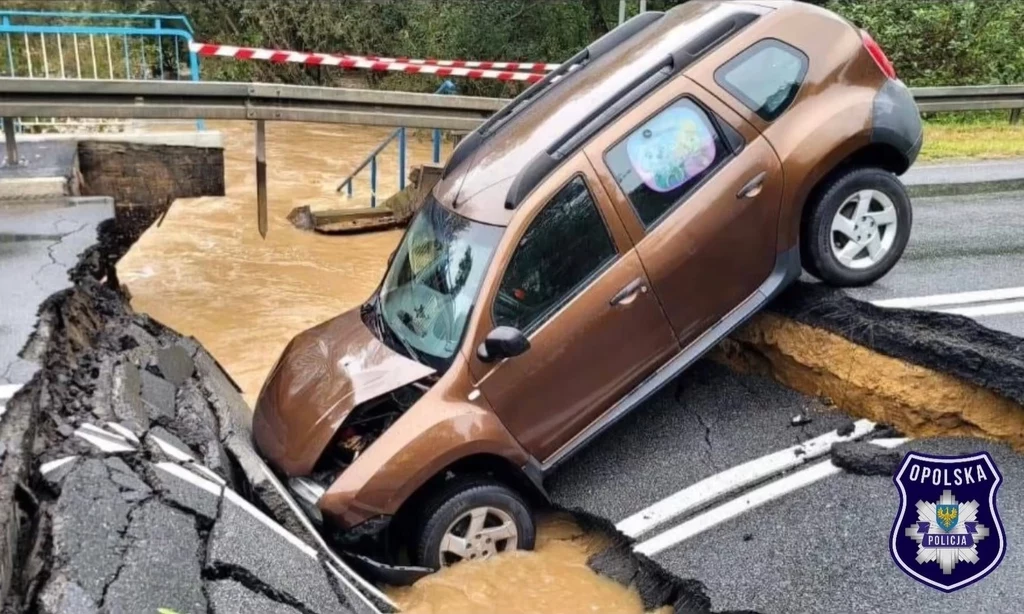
(206, 272)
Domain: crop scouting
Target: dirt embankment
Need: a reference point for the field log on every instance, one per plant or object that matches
(926, 374)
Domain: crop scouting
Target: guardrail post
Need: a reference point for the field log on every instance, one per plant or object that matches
(1014, 117)
(401, 159)
(261, 177)
(12, 144)
(437, 146)
(373, 181)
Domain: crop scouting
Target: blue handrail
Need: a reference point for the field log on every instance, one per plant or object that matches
(400, 135)
(97, 28)
(97, 16)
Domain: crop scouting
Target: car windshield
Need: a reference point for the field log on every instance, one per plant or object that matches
(432, 284)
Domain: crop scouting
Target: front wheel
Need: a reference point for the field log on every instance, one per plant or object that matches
(858, 228)
(473, 520)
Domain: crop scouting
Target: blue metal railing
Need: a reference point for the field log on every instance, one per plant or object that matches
(398, 135)
(131, 46)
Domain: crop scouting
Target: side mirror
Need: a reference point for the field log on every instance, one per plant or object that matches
(502, 342)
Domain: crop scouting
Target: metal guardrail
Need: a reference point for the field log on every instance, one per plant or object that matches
(971, 98)
(261, 102)
(240, 101)
(216, 100)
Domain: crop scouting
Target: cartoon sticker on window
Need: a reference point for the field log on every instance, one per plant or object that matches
(671, 148)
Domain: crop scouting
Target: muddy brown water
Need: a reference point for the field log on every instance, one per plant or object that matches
(206, 272)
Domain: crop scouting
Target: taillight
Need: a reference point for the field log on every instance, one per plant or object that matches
(878, 55)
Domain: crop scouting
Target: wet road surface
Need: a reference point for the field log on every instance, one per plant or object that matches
(962, 244)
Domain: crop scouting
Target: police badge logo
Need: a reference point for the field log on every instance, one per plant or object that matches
(947, 533)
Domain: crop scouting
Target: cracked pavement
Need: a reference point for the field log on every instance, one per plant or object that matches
(38, 244)
(141, 444)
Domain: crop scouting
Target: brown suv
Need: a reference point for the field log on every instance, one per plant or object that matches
(583, 247)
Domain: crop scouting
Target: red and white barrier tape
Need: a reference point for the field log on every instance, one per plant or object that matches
(441, 68)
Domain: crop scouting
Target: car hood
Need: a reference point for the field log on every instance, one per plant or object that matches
(323, 374)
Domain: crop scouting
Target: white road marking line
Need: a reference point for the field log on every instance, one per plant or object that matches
(747, 502)
(184, 474)
(95, 430)
(46, 468)
(105, 441)
(237, 499)
(124, 432)
(735, 478)
(995, 309)
(308, 524)
(7, 390)
(206, 471)
(173, 451)
(958, 298)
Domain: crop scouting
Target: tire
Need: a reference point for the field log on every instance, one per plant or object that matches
(869, 240)
(452, 508)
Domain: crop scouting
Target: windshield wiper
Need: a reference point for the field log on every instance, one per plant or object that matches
(378, 312)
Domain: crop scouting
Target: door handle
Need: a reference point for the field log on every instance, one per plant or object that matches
(752, 187)
(629, 293)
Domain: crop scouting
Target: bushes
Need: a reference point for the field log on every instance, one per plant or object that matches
(932, 42)
(945, 42)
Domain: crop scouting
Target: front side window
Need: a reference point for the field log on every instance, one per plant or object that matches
(565, 246)
(660, 162)
(766, 77)
(432, 284)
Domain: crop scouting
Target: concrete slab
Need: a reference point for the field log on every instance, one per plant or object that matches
(38, 244)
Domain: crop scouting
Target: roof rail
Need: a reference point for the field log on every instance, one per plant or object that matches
(581, 132)
(593, 51)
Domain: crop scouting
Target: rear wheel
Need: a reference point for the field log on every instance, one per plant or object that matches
(473, 519)
(858, 228)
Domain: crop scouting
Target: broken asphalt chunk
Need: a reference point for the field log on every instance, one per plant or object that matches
(175, 364)
(865, 458)
(230, 597)
(158, 395)
(162, 555)
(247, 546)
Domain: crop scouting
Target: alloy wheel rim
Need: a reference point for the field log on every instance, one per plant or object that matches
(478, 534)
(863, 229)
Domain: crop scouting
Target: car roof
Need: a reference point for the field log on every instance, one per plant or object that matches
(476, 188)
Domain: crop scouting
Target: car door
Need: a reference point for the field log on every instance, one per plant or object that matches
(573, 283)
(699, 190)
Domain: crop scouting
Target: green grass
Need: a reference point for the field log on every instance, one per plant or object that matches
(985, 137)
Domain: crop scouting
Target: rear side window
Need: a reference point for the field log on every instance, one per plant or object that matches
(661, 161)
(565, 247)
(766, 77)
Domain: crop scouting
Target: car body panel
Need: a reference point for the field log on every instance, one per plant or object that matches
(322, 375)
(691, 255)
(441, 428)
(553, 407)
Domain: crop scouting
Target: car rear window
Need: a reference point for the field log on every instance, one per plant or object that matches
(765, 77)
(665, 158)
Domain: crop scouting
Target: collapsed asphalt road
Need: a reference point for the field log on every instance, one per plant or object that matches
(729, 478)
(124, 459)
(962, 244)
